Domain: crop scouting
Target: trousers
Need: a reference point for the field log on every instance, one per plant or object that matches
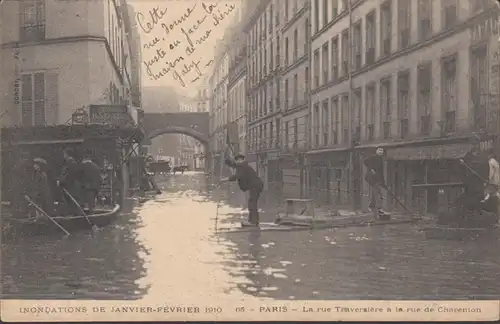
(253, 205)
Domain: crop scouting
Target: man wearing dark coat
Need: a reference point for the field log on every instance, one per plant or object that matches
(248, 180)
(40, 190)
(91, 181)
(70, 179)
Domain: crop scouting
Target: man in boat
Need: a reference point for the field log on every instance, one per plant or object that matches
(71, 180)
(375, 178)
(149, 179)
(40, 190)
(91, 181)
(476, 175)
(248, 180)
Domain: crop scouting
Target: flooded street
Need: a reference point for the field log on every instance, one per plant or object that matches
(168, 247)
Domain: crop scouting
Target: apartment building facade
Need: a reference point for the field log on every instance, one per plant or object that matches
(59, 56)
(218, 108)
(236, 90)
(263, 89)
(418, 79)
(295, 77)
(187, 144)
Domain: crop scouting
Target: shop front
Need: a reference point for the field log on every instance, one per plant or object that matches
(329, 181)
(410, 170)
(292, 174)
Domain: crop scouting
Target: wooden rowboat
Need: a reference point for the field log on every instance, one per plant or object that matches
(458, 233)
(43, 226)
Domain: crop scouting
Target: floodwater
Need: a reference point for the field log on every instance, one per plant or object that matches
(173, 246)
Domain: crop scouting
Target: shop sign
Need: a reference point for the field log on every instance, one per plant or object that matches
(110, 114)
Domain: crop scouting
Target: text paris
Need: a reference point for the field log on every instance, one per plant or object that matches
(219, 16)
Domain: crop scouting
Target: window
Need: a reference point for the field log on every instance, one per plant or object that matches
(307, 77)
(287, 134)
(371, 37)
(286, 51)
(33, 99)
(295, 89)
(32, 20)
(357, 46)
(271, 18)
(295, 7)
(306, 33)
(450, 13)
(386, 27)
(325, 12)
(357, 104)
(286, 11)
(424, 100)
(345, 119)
(479, 86)
(277, 51)
(335, 58)
(277, 17)
(271, 56)
(370, 112)
(295, 132)
(424, 19)
(404, 23)
(316, 15)
(278, 133)
(385, 107)
(316, 68)
(286, 94)
(345, 5)
(449, 93)
(345, 52)
(272, 144)
(278, 94)
(335, 120)
(325, 118)
(295, 44)
(335, 9)
(403, 102)
(324, 63)
(478, 5)
(317, 124)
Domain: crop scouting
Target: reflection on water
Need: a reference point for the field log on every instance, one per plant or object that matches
(103, 264)
(167, 248)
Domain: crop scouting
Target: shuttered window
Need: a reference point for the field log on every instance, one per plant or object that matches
(33, 99)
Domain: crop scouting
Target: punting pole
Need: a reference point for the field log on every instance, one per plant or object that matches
(47, 215)
(77, 204)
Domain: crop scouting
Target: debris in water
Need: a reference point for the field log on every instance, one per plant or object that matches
(279, 276)
(297, 280)
(285, 263)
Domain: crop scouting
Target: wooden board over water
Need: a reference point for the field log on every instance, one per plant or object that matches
(264, 227)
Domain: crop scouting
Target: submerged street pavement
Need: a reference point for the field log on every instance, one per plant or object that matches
(167, 247)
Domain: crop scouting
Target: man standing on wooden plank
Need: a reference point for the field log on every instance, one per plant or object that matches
(248, 180)
(375, 178)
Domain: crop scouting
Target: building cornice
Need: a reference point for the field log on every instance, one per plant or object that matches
(259, 9)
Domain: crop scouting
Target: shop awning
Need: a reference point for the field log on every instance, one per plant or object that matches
(48, 142)
(434, 152)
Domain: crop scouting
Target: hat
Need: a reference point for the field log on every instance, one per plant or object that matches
(39, 161)
(239, 157)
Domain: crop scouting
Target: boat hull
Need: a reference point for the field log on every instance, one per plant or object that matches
(43, 226)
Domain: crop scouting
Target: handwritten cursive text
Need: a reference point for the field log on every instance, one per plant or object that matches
(155, 15)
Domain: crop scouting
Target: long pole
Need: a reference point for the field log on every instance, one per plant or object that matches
(77, 205)
(46, 215)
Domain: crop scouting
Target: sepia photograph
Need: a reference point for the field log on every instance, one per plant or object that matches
(250, 160)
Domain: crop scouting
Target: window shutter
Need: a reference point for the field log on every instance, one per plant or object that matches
(52, 98)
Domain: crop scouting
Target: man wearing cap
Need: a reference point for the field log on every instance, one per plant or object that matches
(40, 187)
(248, 180)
